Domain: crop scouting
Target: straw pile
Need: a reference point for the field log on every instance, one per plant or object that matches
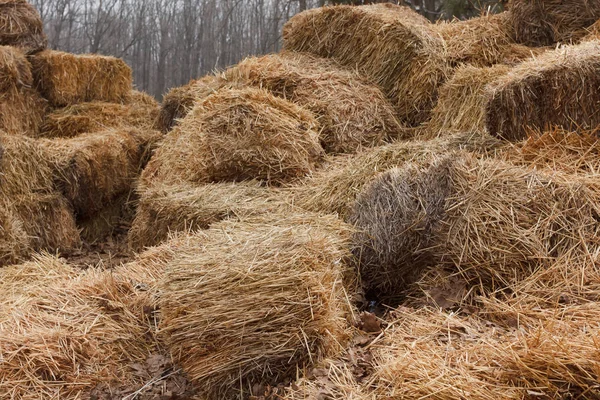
(65, 79)
(272, 291)
(180, 101)
(593, 32)
(547, 91)
(237, 135)
(492, 222)
(14, 241)
(333, 189)
(394, 46)
(166, 208)
(21, 26)
(352, 112)
(97, 116)
(94, 169)
(63, 332)
(483, 41)
(545, 22)
(113, 219)
(21, 107)
(459, 107)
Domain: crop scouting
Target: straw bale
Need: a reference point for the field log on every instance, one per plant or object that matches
(545, 22)
(65, 79)
(498, 222)
(98, 116)
(558, 88)
(483, 41)
(333, 189)
(247, 303)
(461, 99)
(113, 218)
(237, 135)
(180, 100)
(15, 244)
(64, 332)
(593, 32)
(94, 169)
(15, 70)
(167, 208)
(353, 113)
(21, 26)
(392, 45)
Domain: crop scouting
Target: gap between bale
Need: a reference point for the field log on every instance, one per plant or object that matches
(237, 135)
(90, 78)
(254, 334)
(353, 113)
(21, 26)
(395, 47)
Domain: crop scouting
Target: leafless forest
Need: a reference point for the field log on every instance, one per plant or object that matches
(168, 42)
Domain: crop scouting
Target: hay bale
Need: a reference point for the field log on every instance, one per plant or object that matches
(352, 112)
(65, 79)
(498, 224)
(180, 100)
(461, 99)
(545, 22)
(21, 107)
(593, 32)
(237, 135)
(547, 91)
(333, 189)
(273, 290)
(483, 41)
(64, 332)
(94, 169)
(21, 26)
(15, 244)
(98, 116)
(167, 208)
(113, 219)
(392, 45)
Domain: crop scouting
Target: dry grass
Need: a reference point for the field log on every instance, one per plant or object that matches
(113, 218)
(164, 209)
(237, 135)
(90, 78)
(21, 107)
(499, 222)
(64, 332)
(352, 112)
(392, 45)
(98, 116)
(460, 106)
(15, 244)
(483, 41)
(21, 26)
(545, 22)
(558, 88)
(246, 303)
(593, 32)
(333, 189)
(94, 169)
(180, 100)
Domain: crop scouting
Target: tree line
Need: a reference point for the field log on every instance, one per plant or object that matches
(169, 42)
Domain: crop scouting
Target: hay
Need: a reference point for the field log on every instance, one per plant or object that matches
(63, 332)
(593, 32)
(180, 101)
(334, 188)
(461, 99)
(14, 242)
(248, 303)
(499, 223)
(21, 26)
(394, 46)
(483, 41)
(237, 135)
(21, 107)
(65, 79)
(98, 116)
(94, 169)
(545, 22)
(164, 208)
(558, 88)
(114, 218)
(352, 112)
